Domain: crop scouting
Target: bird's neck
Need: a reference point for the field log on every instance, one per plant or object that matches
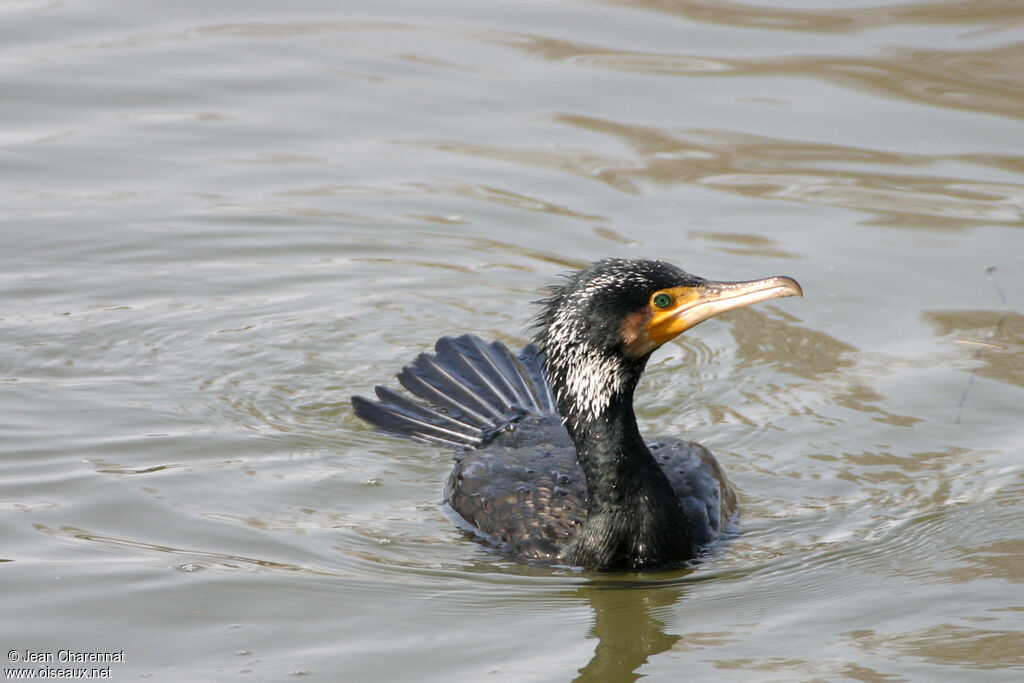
(634, 517)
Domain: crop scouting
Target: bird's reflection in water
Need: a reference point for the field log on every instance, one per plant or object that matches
(626, 626)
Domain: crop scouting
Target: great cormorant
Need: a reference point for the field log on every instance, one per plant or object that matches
(550, 463)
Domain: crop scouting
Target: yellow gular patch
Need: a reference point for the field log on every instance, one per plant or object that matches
(665, 323)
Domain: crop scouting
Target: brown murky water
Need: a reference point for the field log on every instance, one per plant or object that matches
(219, 222)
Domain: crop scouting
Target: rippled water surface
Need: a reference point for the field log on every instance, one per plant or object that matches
(220, 220)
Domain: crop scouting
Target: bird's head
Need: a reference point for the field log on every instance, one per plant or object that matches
(598, 329)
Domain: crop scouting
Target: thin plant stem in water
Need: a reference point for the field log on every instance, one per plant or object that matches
(982, 346)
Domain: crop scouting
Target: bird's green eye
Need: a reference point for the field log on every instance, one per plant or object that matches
(662, 300)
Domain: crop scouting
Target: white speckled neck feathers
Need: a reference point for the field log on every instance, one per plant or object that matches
(587, 379)
(580, 332)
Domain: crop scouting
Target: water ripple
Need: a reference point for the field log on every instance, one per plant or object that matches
(756, 166)
(983, 80)
(833, 19)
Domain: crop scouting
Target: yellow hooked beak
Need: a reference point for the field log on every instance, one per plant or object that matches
(677, 309)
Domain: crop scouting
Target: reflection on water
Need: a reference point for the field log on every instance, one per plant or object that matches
(744, 244)
(627, 628)
(842, 19)
(755, 166)
(950, 644)
(979, 80)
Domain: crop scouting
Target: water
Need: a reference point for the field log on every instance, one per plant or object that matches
(219, 221)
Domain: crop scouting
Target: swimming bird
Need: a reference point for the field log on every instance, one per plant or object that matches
(550, 465)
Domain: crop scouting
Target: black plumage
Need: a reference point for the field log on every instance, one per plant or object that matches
(551, 465)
